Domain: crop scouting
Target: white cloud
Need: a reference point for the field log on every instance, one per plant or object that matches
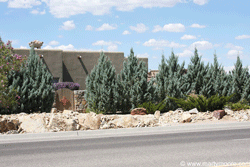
(187, 37)
(155, 57)
(53, 43)
(66, 8)
(158, 48)
(231, 46)
(201, 45)
(204, 59)
(185, 53)
(232, 54)
(48, 47)
(177, 27)
(200, 2)
(23, 47)
(37, 12)
(83, 49)
(23, 3)
(175, 45)
(157, 28)
(61, 47)
(60, 36)
(14, 41)
(242, 37)
(126, 32)
(217, 45)
(118, 42)
(197, 26)
(140, 28)
(89, 28)
(64, 47)
(112, 46)
(68, 25)
(174, 27)
(43, 12)
(102, 42)
(162, 43)
(228, 68)
(142, 55)
(34, 11)
(106, 26)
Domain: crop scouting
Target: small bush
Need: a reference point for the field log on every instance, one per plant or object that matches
(151, 107)
(241, 105)
(202, 103)
(69, 85)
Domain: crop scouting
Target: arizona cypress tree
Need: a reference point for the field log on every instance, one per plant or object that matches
(195, 74)
(133, 82)
(246, 90)
(221, 80)
(207, 86)
(151, 91)
(170, 80)
(34, 85)
(239, 80)
(175, 77)
(161, 80)
(212, 81)
(101, 87)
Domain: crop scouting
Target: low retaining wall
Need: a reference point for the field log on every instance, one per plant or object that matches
(69, 121)
(80, 102)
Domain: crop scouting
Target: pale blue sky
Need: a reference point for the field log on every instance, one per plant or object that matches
(150, 27)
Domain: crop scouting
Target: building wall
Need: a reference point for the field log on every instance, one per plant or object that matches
(77, 70)
(51, 58)
(67, 67)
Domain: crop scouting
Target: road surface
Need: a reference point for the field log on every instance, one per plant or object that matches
(152, 150)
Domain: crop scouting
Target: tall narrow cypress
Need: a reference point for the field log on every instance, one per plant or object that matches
(34, 85)
(170, 81)
(101, 87)
(239, 80)
(195, 74)
(133, 82)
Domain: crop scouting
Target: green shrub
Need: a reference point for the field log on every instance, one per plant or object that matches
(101, 91)
(9, 62)
(34, 85)
(202, 103)
(151, 107)
(241, 105)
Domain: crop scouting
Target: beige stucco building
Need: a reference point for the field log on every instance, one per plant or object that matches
(74, 66)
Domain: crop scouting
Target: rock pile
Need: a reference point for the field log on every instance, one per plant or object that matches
(70, 121)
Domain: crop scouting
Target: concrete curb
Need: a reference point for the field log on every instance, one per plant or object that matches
(100, 133)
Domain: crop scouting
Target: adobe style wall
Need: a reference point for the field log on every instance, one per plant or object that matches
(67, 67)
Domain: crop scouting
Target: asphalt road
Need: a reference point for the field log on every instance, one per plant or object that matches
(166, 149)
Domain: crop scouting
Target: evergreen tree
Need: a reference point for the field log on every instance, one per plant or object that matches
(133, 83)
(161, 80)
(195, 74)
(239, 80)
(101, 87)
(208, 81)
(220, 79)
(169, 80)
(246, 90)
(151, 91)
(34, 85)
